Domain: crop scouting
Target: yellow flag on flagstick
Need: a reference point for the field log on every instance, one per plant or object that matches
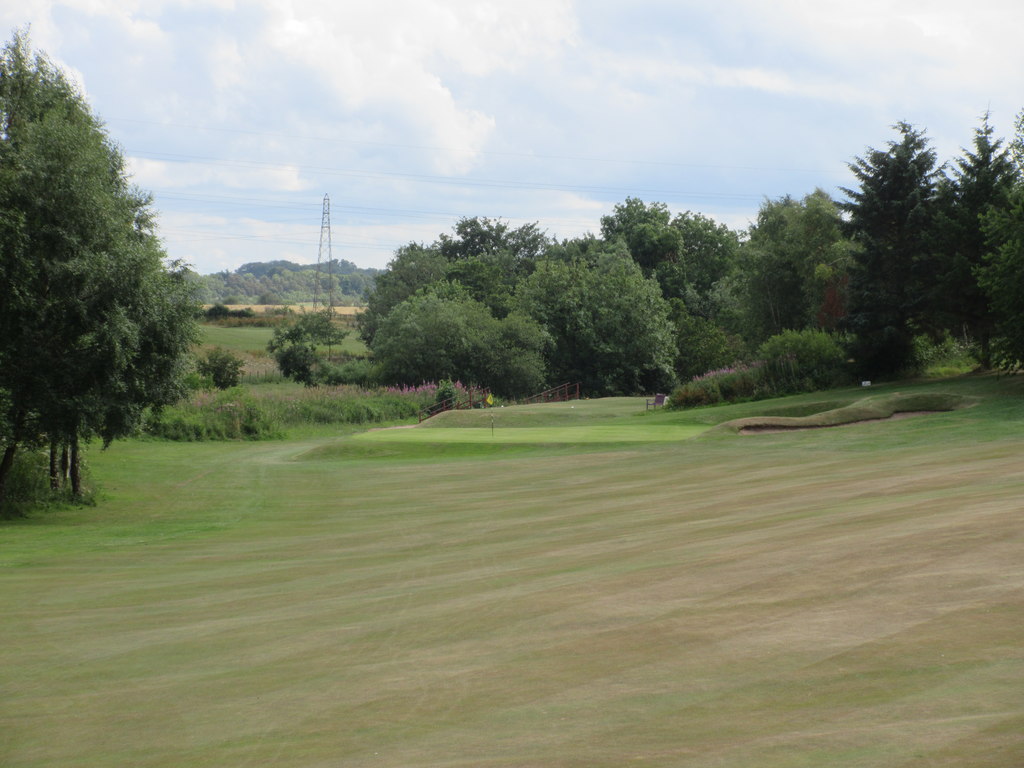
(490, 399)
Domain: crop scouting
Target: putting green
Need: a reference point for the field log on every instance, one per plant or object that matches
(663, 433)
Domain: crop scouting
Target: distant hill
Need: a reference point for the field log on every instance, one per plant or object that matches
(286, 282)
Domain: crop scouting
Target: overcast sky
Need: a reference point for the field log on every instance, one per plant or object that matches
(240, 116)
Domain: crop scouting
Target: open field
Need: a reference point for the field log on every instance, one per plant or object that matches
(241, 339)
(572, 591)
(253, 340)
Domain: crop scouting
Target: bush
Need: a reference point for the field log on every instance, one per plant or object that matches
(742, 382)
(446, 390)
(794, 361)
(803, 361)
(223, 368)
(298, 362)
(221, 311)
(358, 372)
(294, 346)
(693, 394)
(949, 356)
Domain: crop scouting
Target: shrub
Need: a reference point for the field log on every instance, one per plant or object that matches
(446, 390)
(801, 361)
(423, 394)
(221, 311)
(948, 356)
(298, 362)
(693, 394)
(359, 372)
(216, 312)
(741, 382)
(294, 346)
(279, 311)
(223, 368)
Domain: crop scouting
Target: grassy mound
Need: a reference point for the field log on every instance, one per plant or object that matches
(868, 409)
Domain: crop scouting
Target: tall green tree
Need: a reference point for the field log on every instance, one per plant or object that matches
(94, 328)
(981, 180)
(795, 263)
(487, 257)
(413, 267)
(1017, 143)
(610, 326)
(1001, 276)
(477, 236)
(701, 345)
(443, 333)
(1003, 280)
(891, 212)
(646, 229)
(707, 254)
(296, 346)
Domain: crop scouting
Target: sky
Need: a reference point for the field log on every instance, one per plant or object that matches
(239, 116)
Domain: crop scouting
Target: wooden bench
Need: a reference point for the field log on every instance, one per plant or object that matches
(658, 400)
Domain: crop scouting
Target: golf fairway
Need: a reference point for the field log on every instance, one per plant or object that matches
(840, 598)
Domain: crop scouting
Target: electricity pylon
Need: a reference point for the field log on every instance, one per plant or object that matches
(325, 245)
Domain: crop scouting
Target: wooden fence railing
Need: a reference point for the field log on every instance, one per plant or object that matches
(555, 395)
(473, 398)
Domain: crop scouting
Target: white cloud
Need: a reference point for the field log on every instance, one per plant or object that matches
(162, 174)
(227, 64)
(373, 101)
(392, 56)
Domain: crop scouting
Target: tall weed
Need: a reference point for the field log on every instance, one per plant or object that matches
(231, 414)
(265, 412)
(28, 486)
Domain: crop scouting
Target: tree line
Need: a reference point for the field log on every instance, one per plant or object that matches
(915, 250)
(286, 282)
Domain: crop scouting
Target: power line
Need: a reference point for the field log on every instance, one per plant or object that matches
(487, 153)
(448, 181)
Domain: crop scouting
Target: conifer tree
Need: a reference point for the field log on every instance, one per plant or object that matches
(891, 213)
(980, 180)
(1000, 277)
